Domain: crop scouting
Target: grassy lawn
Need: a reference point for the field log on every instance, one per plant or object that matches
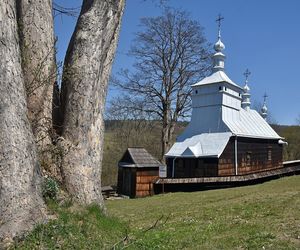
(264, 216)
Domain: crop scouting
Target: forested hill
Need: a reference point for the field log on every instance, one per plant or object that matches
(120, 135)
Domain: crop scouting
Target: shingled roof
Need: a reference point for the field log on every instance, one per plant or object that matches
(138, 157)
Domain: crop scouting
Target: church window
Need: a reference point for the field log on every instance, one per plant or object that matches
(269, 154)
(248, 158)
(220, 88)
(196, 92)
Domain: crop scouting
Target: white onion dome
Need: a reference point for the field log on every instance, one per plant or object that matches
(246, 88)
(219, 46)
(264, 108)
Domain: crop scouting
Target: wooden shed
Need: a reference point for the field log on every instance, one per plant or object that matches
(137, 170)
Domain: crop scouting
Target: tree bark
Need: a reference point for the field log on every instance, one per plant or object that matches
(37, 45)
(86, 71)
(21, 203)
(167, 133)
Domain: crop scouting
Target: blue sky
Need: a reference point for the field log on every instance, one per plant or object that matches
(262, 35)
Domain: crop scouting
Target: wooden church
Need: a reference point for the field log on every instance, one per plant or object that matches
(225, 137)
(225, 143)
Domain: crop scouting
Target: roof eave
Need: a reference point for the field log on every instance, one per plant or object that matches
(126, 165)
(192, 156)
(211, 83)
(258, 136)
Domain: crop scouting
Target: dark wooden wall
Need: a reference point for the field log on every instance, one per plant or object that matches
(226, 160)
(258, 155)
(254, 155)
(192, 167)
(126, 181)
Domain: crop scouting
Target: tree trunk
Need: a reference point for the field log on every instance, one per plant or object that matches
(164, 134)
(86, 71)
(21, 203)
(166, 131)
(165, 140)
(37, 45)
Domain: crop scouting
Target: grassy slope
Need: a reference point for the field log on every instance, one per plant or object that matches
(265, 215)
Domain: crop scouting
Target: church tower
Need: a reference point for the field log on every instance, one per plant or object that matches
(246, 95)
(219, 57)
(264, 109)
(213, 96)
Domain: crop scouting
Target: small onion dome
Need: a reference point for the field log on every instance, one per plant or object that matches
(264, 109)
(219, 46)
(246, 88)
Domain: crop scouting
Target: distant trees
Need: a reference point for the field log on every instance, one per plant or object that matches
(292, 136)
(170, 54)
(131, 126)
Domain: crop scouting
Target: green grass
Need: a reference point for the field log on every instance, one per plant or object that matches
(75, 228)
(264, 216)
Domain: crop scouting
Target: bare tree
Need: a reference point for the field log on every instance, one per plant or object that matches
(170, 54)
(21, 203)
(86, 70)
(298, 120)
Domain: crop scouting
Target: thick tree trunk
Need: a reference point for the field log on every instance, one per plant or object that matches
(166, 131)
(166, 137)
(37, 45)
(164, 143)
(21, 203)
(86, 71)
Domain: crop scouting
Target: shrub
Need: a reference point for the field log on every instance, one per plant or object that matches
(50, 188)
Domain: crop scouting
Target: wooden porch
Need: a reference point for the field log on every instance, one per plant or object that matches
(289, 168)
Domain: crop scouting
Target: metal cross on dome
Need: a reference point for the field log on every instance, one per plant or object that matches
(219, 20)
(265, 97)
(247, 74)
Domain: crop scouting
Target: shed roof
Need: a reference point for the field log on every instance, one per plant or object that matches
(203, 145)
(138, 157)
